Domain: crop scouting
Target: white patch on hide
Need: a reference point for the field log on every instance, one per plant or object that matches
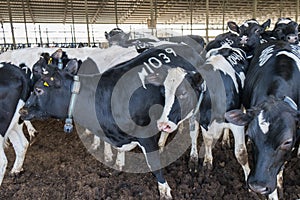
(291, 55)
(263, 124)
(174, 78)
(1, 65)
(220, 63)
(284, 21)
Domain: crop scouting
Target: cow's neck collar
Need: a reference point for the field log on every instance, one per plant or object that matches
(68, 127)
(290, 102)
(194, 113)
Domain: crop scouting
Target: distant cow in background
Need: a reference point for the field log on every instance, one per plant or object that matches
(250, 33)
(287, 30)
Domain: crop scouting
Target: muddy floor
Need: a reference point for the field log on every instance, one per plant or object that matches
(58, 166)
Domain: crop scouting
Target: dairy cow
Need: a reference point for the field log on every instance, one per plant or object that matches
(272, 99)
(110, 121)
(15, 89)
(287, 30)
(218, 85)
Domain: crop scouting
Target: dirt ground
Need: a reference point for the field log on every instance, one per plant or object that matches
(58, 166)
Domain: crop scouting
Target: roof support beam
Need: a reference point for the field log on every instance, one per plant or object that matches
(65, 11)
(25, 24)
(11, 24)
(254, 9)
(30, 11)
(101, 6)
(297, 10)
(87, 22)
(207, 20)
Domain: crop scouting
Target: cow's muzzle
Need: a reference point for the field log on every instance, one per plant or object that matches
(260, 188)
(168, 127)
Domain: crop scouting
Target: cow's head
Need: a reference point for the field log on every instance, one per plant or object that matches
(287, 30)
(181, 92)
(51, 94)
(272, 128)
(230, 38)
(117, 36)
(250, 32)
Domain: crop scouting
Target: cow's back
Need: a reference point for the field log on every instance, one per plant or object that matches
(274, 70)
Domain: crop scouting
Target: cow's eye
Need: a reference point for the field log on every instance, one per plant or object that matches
(38, 91)
(287, 145)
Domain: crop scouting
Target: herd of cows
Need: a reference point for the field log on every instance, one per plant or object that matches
(246, 80)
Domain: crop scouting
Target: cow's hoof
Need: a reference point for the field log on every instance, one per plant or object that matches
(17, 173)
(207, 167)
(193, 165)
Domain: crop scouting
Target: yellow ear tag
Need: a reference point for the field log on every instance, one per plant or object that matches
(49, 61)
(46, 84)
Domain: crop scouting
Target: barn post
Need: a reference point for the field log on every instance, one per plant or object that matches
(87, 23)
(223, 16)
(191, 17)
(73, 28)
(25, 24)
(254, 9)
(40, 32)
(207, 19)
(3, 32)
(151, 17)
(11, 25)
(116, 13)
(297, 10)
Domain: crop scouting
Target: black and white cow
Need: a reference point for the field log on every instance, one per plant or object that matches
(250, 33)
(272, 99)
(114, 101)
(15, 89)
(287, 30)
(218, 84)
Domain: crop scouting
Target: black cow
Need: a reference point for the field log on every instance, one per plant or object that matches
(223, 75)
(15, 89)
(108, 117)
(250, 33)
(287, 30)
(195, 41)
(272, 99)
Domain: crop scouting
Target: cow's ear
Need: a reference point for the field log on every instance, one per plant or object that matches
(239, 118)
(233, 26)
(72, 67)
(106, 35)
(266, 24)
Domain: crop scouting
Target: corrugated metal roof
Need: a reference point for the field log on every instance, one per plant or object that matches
(139, 11)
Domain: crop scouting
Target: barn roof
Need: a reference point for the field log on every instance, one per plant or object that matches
(139, 11)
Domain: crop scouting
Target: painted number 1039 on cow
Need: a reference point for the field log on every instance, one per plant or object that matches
(155, 62)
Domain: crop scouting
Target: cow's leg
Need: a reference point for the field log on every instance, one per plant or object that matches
(226, 138)
(162, 140)
(151, 151)
(194, 132)
(120, 160)
(3, 159)
(96, 143)
(240, 149)
(209, 138)
(20, 144)
(273, 195)
(31, 130)
(108, 154)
